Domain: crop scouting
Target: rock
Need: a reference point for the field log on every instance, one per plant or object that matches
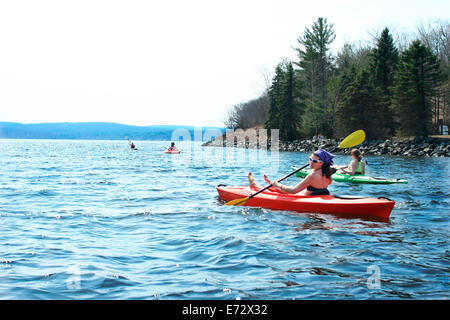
(427, 150)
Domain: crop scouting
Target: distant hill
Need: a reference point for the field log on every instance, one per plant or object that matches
(96, 131)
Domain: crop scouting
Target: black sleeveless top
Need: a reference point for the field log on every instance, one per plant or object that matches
(317, 191)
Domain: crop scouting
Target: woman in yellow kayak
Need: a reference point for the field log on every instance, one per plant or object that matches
(315, 183)
(357, 166)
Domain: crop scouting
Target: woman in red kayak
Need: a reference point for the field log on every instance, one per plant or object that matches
(315, 183)
(172, 147)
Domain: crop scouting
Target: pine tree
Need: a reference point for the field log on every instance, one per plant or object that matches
(383, 68)
(359, 107)
(384, 62)
(285, 105)
(290, 116)
(414, 87)
(276, 99)
(315, 64)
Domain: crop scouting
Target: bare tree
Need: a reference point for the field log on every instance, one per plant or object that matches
(436, 35)
(248, 114)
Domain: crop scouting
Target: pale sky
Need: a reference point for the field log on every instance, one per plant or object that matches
(165, 62)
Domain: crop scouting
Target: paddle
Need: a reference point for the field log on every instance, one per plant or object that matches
(130, 143)
(351, 140)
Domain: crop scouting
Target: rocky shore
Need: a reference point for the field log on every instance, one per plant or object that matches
(406, 148)
(428, 147)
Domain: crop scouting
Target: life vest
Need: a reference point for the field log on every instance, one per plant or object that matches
(359, 170)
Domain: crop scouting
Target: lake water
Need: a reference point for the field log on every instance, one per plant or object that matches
(96, 220)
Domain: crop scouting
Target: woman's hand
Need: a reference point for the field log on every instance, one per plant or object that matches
(266, 178)
(273, 183)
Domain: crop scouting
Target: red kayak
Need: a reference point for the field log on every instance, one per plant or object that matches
(172, 151)
(272, 199)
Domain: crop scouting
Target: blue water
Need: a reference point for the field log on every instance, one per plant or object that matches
(96, 220)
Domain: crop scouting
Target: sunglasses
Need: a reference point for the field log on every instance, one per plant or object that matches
(314, 160)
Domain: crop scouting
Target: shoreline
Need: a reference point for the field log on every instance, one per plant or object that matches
(417, 147)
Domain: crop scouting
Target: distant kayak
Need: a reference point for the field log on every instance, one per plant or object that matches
(172, 151)
(272, 199)
(358, 178)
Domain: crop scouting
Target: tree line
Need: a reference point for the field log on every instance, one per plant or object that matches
(387, 89)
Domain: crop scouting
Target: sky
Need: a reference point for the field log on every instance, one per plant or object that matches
(165, 62)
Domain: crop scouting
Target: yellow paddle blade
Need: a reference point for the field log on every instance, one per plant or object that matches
(353, 139)
(237, 202)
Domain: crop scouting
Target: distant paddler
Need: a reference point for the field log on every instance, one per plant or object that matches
(172, 149)
(131, 144)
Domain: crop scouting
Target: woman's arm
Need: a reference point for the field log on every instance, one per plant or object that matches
(293, 189)
(351, 168)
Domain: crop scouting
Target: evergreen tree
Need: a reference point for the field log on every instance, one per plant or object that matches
(414, 87)
(276, 99)
(384, 62)
(348, 60)
(383, 67)
(285, 106)
(315, 64)
(359, 107)
(290, 116)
